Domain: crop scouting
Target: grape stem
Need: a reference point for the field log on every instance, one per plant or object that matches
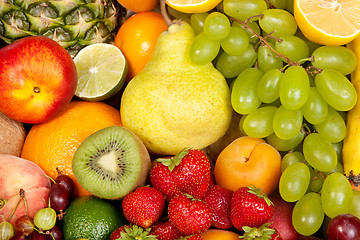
(164, 13)
(22, 196)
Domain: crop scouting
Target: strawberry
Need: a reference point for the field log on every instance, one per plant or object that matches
(189, 215)
(187, 172)
(144, 206)
(132, 232)
(165, 231)
(250, 207)
(264, 232)
(191, 237)
(219, 199)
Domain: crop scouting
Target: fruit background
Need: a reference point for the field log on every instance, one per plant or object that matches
(174, 119)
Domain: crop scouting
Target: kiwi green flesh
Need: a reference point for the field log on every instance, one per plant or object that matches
(111, 162)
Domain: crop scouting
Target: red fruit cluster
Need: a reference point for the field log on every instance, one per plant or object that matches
(183, 202)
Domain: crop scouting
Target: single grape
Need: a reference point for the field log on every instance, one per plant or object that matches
(7, 230)
(56, 233)
(287, 123)
(339, 58)
(315, 109)
(333, 128)
(356, 203)
(338, 149)
(258, 123)
(278, 22)
(316, 182)
(268, 60)
(241, 124)
(197, 21)
(294, 182)
(39, 236)
(307, 215)
(294, 87)
(65, 181)
(336, 89)
(343, 227)
(231, 65)
(290, 158)
(236, 42)
(244, 98)
(279, 3)
(336, 195)
(203, 49)
(217, 26)
(251, 28)
(59, 197)
(268, 86)
(244, 9)
(285, 145)
(319, 152)
(292, 47)
(45, 218)
(24, 225)
(312, 46)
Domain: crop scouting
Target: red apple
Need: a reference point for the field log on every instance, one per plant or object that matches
(38, 78)
(282, 220)
(15, 174)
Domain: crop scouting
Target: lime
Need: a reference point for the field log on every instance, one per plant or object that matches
(91, 218)
(101, 69)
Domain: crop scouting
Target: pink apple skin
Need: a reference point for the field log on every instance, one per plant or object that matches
(38, 78)
(281, 219)
(15, 174)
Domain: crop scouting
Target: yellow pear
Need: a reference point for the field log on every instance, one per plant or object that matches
(173, 103)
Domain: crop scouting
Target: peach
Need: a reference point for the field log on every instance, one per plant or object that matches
(15, 174)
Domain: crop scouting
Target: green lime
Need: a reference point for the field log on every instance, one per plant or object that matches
(101, 69)
(91, 218)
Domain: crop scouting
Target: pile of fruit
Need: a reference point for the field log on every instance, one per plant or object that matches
(174, 119)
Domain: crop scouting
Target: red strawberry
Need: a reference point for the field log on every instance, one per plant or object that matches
(165, 231)
(189, 215)
(191, 237)
(144, 206)
(250, 207)
(132, 232)
(264, 232)
(219, 199)
(187, 172)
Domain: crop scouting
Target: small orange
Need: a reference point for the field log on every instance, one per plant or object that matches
(137, 38)
(139, 5)
(248, 161)
(52, 144)
(215, 234)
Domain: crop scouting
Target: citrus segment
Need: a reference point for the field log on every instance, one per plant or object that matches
(101, 69)
(52, 144)
(328, 22)
(193, 6)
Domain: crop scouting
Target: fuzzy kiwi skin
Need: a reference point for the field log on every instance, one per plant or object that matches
(12, 136)
(141, 178)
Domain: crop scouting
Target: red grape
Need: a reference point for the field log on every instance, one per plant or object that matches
(24, 225)
(59, 197)
(56, 233)
(343, 227)
(65, 181)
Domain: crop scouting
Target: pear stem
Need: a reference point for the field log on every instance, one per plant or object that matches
(164, 13)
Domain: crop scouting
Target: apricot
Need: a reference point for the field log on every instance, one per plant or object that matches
(215, 234)
(248, 161)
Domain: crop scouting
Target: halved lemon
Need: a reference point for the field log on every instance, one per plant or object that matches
(328, 22)
(193, 6)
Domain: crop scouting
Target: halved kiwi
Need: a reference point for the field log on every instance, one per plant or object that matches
(111, 162)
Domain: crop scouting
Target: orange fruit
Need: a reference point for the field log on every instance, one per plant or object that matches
(329, 22)
(215, 234)
(52, 144)
(248, 161)
(193, 6)
(137, 37)
(139, 5)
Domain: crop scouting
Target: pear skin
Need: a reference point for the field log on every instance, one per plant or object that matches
(173, 103)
